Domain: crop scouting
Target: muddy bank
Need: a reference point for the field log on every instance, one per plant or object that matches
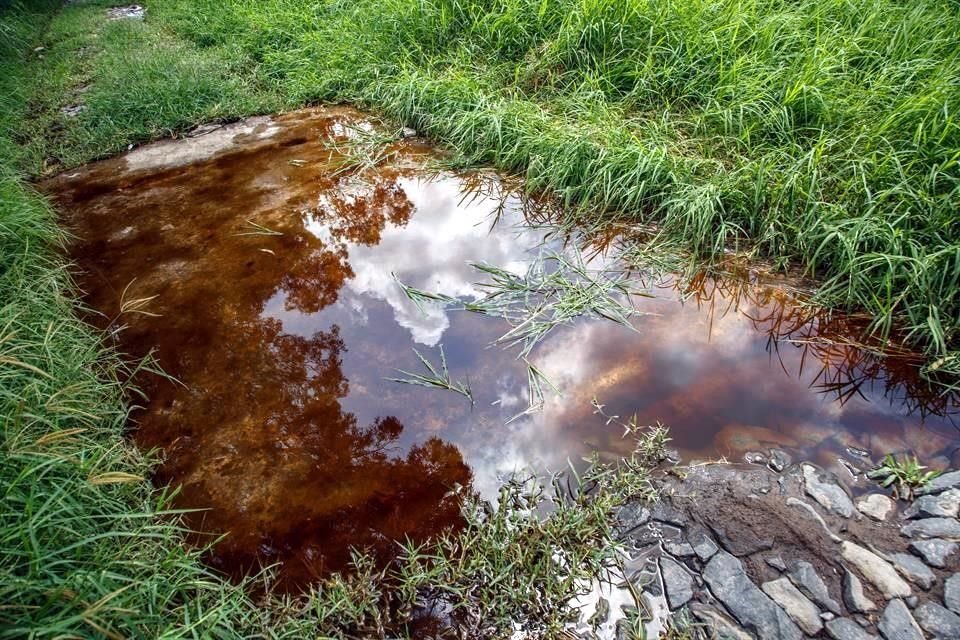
(258, 263)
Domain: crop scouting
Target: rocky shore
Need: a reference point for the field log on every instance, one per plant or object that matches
(774, 550)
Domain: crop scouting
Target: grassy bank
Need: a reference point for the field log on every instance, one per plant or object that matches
(87, 547)
(819, 133)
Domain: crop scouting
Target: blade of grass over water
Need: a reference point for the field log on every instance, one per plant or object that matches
(436, 377)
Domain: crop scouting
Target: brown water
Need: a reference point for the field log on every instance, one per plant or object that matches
(259, 271)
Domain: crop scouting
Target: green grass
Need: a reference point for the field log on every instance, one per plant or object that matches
(819, 133)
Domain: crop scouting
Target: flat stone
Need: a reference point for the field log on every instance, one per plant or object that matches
(749, 605)
(678, 583)
(678, 549)
(937, 621)
(805, 576)
(941, 505)
(740, 542)
(951, 593)
(875, 569)
(663, 512)
(935, 551)
(913, 570)
(777, 563)
(631, 517)
(948, 528)
(754, 457)
(876, 506)
(798, 607)
(941, 483)
(853, 595)
(702, 544)
(896, 623)
(718, 623)
(823, 488)
(847, 629)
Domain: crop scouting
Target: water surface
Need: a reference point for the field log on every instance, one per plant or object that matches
(260, 268)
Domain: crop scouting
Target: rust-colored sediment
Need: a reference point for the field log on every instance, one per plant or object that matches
(256, 267)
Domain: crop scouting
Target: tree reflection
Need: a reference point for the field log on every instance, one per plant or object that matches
(254, 430)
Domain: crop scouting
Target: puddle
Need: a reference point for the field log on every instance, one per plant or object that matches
(263, 276)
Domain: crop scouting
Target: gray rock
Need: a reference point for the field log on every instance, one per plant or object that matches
(942, 505)
(678, 549)
(823, 487)
(853, 595)
(951, 593)
(875, 569)
(935, 620)
(632, 516)
(740, 542)
(678, 583)
(754, 457)
(913, 570)
(847, 629)
(935, 552)
(942, 483)
(807, 579)
(408, 132)
(912, 601)
(721, 625)
(876, 506)
(748, 604)
(896, 623)
(779, 460)
(702, 544)
(777, 563)
(933, 528)
(663, 512)
(804, 613)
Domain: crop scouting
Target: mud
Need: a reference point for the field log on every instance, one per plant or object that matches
(256, 262)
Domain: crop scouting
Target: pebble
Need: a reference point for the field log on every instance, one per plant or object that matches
(913, 570)
(853, 595)
(936, 620)
(951, 593)
(932, 528)
(847, 629)
(896, 623)
(806, 578)
(677, 582)
(876, 506)
(942, 505)
(804, 613)
(934, 551)
(825, 490)
(875, 569)
(779, 460)
(702, 544)
(749, 605)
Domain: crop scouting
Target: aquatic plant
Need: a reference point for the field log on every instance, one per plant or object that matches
(437, 377)
(904, 476)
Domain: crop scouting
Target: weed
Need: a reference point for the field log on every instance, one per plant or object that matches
(437, 378)
(905, 476)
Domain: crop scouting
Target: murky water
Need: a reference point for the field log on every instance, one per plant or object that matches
(261, 270)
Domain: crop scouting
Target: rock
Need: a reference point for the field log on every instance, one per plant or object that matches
(408, 132)
(754, 457)
(912, 601)
(932, 528)
(847, 629)
(896, 623)
(748, 604)
(779, 460)
(702, 544)
(824, 489)
(935, 552)
(876, 505)
(797, 606)
(941, 505)
(678, 583)
(875, 569)
(631, 517)
(853, 595)
(602, 613)
(663, 512)
(718, 623)
(937, 621)
(812, 585)
(740, 542)
(951, 593)
(777, 563)
(941, 483)
(678, 549)
(913, 570)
